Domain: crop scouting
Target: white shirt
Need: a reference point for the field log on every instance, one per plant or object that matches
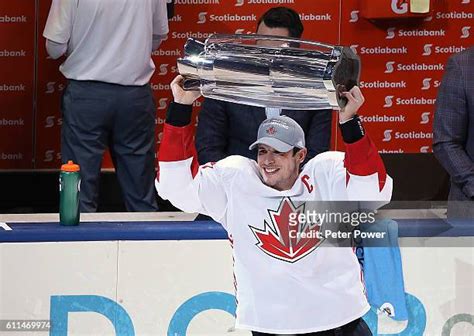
(301, 290)
(107, 40)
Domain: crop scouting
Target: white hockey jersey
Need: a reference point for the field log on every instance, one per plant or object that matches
(284, 284)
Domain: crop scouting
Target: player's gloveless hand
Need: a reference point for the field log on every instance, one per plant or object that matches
(180, 95)
(355, 99)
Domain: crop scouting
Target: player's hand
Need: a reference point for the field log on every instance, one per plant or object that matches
(180, 95)
(355, 99)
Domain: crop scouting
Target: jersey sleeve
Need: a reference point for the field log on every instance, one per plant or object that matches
(366, 177)
(357, 175)
(60, 21)
(188, 186)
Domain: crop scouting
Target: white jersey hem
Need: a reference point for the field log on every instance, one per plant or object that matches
(304, 331)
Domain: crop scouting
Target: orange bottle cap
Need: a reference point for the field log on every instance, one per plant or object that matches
(70, 167)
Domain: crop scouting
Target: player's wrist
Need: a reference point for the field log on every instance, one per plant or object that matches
(352, 129)
(179, 114)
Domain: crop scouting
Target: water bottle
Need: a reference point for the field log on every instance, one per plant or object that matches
(69, 188)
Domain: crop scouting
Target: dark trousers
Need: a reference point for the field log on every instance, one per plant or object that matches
(355, 328)
(98, 115)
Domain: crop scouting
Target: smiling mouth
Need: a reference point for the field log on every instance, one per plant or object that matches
(271, 171)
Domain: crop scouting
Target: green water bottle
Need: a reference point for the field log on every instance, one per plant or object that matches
(69, 189)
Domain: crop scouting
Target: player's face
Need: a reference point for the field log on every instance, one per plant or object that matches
(279, 170)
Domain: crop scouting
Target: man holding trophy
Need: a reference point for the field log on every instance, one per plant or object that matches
(228, 128)
(286, 283)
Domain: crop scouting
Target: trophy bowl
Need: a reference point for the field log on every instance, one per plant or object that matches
(270, 71)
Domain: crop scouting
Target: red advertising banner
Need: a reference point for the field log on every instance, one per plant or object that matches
(51, 84)
(17, 29)
(402, 65)
(403, 60)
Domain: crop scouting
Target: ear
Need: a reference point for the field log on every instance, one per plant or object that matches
(302, 154)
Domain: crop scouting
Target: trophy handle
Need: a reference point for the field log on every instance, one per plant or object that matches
(192, 84)
(346, 74)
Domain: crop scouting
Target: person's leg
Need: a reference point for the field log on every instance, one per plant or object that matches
(86, 113)
(133, 147)
(356, 328)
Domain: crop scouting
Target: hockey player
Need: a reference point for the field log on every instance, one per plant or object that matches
(288, 283)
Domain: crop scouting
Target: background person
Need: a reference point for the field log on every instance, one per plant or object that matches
(108, 101)
(453, 128)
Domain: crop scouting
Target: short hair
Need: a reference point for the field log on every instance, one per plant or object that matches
(283, 17)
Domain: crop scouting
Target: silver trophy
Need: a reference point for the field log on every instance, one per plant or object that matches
(270, 71)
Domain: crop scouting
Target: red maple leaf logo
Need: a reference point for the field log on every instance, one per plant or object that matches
(271, 130)
(286, 239)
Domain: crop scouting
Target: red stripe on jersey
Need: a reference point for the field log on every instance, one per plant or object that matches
(363, 159)
(177, 144)
(231, 240)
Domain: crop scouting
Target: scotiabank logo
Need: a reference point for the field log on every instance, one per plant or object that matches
(424, 149)
(390, 33)
(202, 17)
(390, 67)
(52, 121)
(354, 16)
(52, 87)
(389, 101)
(165, 69)
(428, 49)
(425, 118)
(383, 85)
(399, 6)
(186, 35)
(415, 33)
(239, 3)
(162, 103)
(465, 32)
(51, 155)
(379, 50)
(387, 135)
(427, 84)
(454, 15)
